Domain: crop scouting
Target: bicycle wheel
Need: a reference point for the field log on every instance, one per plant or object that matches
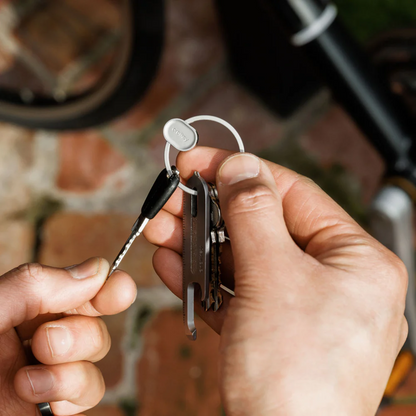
(125, 83)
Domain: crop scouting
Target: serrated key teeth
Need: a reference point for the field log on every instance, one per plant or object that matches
(135, 224)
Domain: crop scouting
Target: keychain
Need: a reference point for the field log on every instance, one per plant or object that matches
(203, 226)
(204, 229)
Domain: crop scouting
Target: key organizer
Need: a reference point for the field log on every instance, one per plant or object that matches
(202, 233)
(203, 230)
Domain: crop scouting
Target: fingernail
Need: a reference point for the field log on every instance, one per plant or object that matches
(40, 379)
(59, 340)
(239, 168)
(84, 270)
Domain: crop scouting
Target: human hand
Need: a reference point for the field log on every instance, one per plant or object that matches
(318, 315)
(57, 309)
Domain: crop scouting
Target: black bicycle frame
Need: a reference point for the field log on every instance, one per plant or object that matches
(342, 65)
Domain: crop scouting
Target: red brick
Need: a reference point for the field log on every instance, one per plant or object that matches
(335, 139)
(16, 244)
(258, 127)
(16, 158)
(160, 92)
(409, 386)
(398, 411)
(112, 365)
(6, 60)
(178, 377)
(105, 411)
(194, 38)
(193, 45)
(70, 238)
(86, 161)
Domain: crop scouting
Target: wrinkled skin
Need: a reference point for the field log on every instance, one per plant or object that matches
(35, 300)
(314, 328)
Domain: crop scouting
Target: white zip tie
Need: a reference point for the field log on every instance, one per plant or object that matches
(316, 28)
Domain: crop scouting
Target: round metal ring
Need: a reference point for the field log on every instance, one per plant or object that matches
(45, 409)
(202, 118)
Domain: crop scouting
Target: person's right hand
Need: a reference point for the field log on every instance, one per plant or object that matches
(318, 316)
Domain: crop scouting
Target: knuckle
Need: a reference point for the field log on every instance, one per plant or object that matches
(393, 279)
(100, 337)
(255, 199)
(90, 387)
(107, 337)
(399, 277)
(30, 272)
(101, 384)
(93, 381)
(404, 332)
(301, 181)
(308, 181)
(401, 271)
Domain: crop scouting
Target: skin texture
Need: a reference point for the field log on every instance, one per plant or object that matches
(318, 316)
(38, 303)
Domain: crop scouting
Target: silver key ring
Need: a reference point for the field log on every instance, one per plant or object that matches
(45, 409)
(183, 137)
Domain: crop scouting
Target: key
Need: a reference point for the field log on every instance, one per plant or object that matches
(159, 194)
(217, 238)
(196, 250)
(203, 233)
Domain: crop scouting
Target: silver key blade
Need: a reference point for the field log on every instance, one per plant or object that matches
(137, 229)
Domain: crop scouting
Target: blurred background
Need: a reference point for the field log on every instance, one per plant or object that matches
(69, 195)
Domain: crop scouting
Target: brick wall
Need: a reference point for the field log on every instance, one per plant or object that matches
(68, 196)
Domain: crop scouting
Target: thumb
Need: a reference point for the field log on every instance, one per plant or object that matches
(252, 209)
(33, 289)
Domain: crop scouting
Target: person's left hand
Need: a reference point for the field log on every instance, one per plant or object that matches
(53, 313)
